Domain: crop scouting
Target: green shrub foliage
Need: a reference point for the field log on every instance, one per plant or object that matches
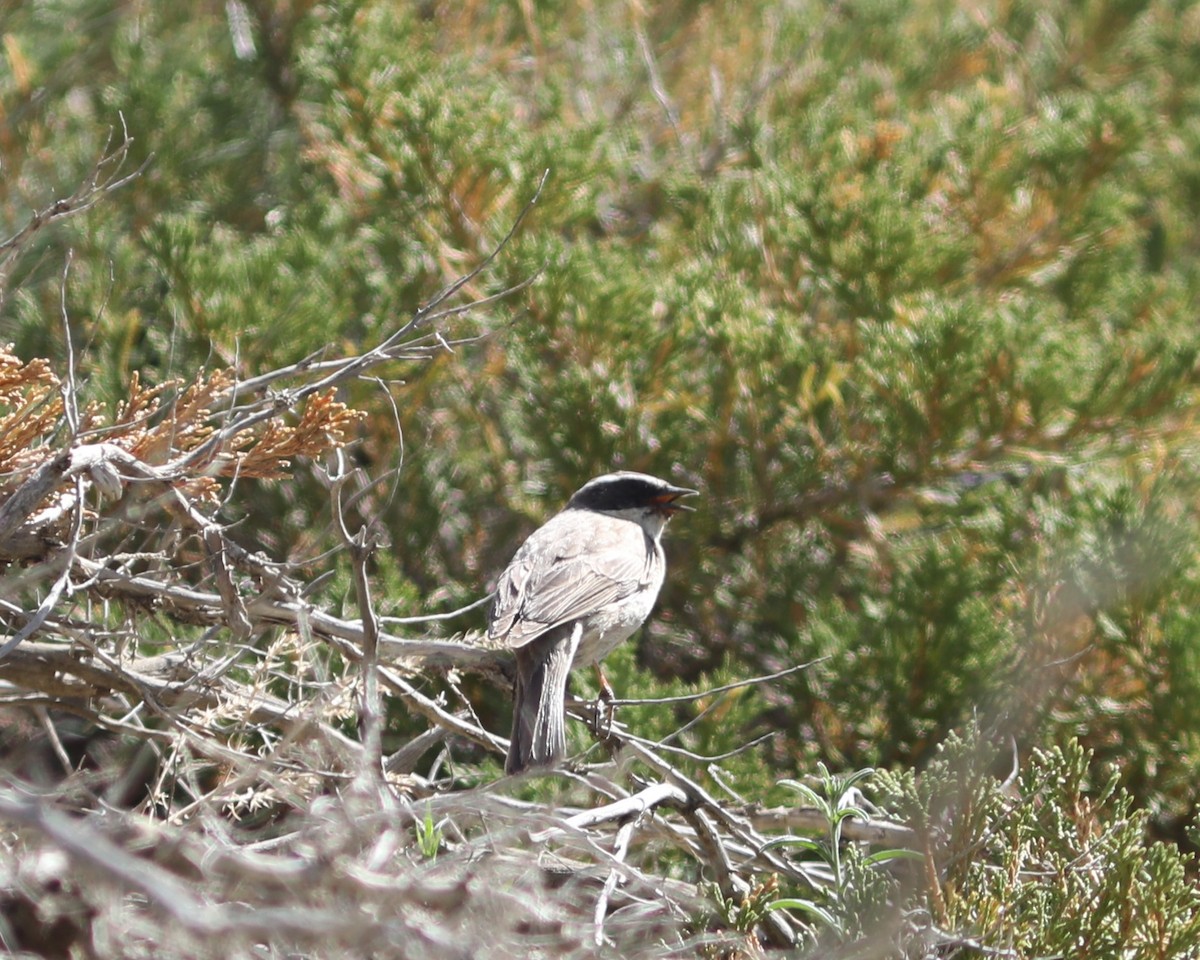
(908, 290)
(1050, 863)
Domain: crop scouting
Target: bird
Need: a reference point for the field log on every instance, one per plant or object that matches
(579, 586)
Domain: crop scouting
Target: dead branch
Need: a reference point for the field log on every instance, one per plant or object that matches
(69, 476)
(106, 176)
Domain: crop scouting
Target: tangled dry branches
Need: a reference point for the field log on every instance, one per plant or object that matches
(191, 743)
(367, 857)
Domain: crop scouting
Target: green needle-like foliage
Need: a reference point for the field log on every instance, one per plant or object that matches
(907, 289)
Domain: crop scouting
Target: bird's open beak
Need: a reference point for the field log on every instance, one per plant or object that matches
(668, 501)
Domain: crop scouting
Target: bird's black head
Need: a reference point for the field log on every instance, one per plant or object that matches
(615, 492)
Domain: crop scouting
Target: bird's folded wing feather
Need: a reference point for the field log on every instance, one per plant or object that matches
(544, 587)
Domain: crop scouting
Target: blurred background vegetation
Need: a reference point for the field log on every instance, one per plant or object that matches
(907, 289)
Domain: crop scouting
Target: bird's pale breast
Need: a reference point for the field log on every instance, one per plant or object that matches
(580, 567)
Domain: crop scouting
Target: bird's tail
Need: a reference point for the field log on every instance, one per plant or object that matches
(539, 737)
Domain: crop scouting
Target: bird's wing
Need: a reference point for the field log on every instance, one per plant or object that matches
(554, 579)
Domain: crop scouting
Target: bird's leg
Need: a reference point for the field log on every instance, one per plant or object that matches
(604, 701)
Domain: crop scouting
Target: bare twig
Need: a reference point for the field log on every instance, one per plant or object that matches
(633, 806)
(656, 83)
(724, 688)
(360, 546)
(620, 851)
(105, 177)
(435, 714)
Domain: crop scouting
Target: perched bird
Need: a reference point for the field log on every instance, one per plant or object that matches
(582, 583)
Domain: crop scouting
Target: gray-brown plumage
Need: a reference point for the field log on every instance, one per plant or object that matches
(579, 586)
